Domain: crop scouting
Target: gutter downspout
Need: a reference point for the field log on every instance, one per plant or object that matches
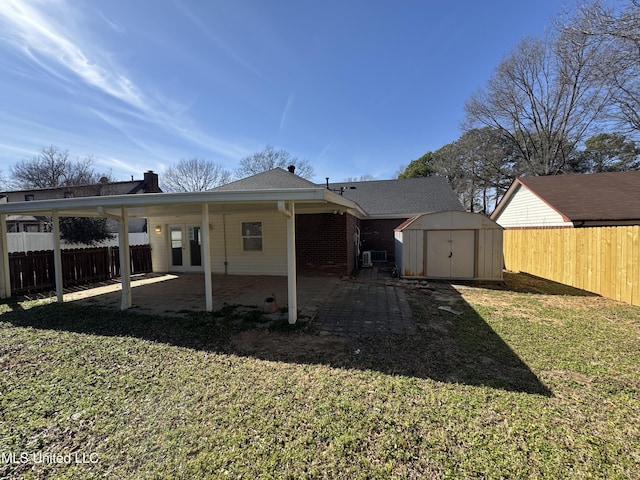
(291, 259)
(224, 241)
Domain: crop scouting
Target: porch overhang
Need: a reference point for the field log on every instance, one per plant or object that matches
(123, 207)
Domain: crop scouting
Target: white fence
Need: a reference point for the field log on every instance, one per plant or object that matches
(32, 241)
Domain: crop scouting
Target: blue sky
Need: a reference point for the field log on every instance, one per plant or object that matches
(354, 87)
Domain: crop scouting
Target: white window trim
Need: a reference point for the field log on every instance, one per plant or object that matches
(243, 236)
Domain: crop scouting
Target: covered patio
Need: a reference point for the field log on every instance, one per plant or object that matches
(203, 209)
(177, 294)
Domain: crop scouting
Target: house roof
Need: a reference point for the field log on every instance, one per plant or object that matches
(401, 197)
(587, 197)
(378, 198)
(274, 179)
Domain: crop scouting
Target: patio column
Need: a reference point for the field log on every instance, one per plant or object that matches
(57, 257)
(5, 280)
(291, 260)
(291, 265)
(206, 258)
(125, 258)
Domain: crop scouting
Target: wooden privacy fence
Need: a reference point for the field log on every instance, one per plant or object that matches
(34, 271)
(603, 260)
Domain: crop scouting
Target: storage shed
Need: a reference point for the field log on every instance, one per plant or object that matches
(449, 245)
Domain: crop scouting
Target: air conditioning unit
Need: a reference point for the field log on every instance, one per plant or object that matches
(366, 259)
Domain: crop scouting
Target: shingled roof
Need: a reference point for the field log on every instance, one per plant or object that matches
(378, 198)
(274, 179)
(402, 197)
(589, 197)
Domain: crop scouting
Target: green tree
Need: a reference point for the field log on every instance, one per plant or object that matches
(421, 167)
(84, 230)
(610, 152)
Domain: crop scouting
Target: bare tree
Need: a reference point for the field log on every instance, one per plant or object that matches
(618, 31)
(52, 167)
(194, 175)
(479, 166)
(544, 98)
(367, 177)
(270, 158)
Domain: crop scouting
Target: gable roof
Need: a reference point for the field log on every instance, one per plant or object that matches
(584, 197)
(275, 179)
(378, 198)
(404, 197)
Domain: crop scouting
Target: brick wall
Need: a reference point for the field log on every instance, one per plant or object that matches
(324, 244)
(377, 234)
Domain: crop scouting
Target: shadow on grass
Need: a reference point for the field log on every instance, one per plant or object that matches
(526, 283)
(459, 349)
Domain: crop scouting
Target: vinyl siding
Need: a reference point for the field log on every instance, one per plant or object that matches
(527, 210)
(226, 229)
(272, 260)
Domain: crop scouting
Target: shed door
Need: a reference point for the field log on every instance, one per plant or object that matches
(450, 253)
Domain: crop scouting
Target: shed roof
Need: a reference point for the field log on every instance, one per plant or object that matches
(587, 197)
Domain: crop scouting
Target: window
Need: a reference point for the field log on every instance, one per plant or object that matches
(252, 236)
(28, 197)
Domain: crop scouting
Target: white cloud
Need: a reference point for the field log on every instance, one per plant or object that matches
(285, 112)
(44, 42)
(45, 33)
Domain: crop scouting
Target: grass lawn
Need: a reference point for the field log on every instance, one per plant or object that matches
(532, 380)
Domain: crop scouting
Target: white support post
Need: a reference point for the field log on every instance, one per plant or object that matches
(125, 258)
(206, 257)
(5, 279)
(57, 257)
(291, 265)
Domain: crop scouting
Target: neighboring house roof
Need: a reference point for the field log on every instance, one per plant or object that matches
(149, 184)
(610, 196)
(402, 197)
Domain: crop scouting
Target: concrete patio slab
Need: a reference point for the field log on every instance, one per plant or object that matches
(179, 294)
(373, 303)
